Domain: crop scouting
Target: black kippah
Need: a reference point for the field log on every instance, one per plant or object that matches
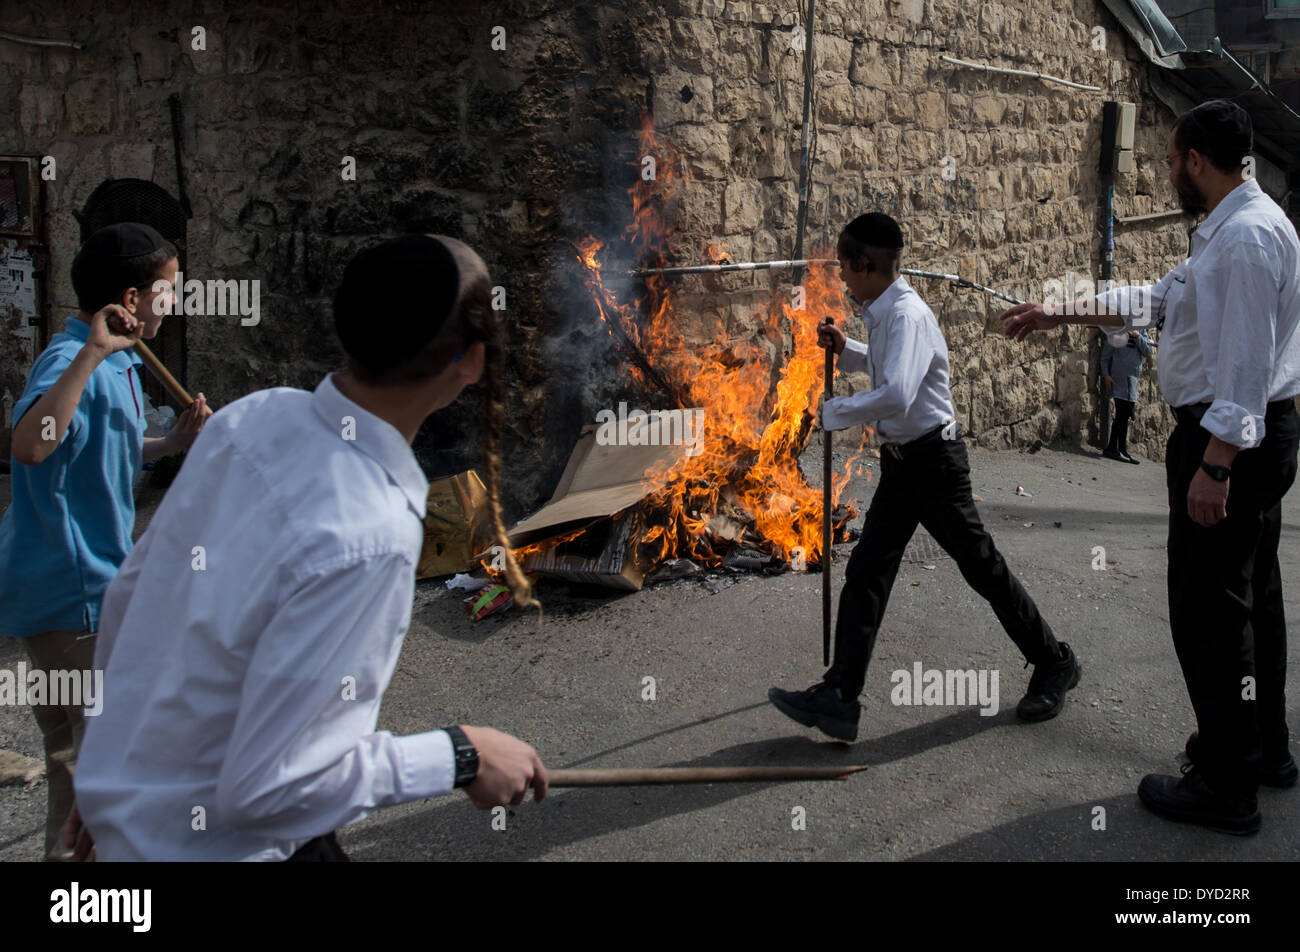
(1225, 122)
(877, 230)
(394, 299)
(113, 259)
(125, 240)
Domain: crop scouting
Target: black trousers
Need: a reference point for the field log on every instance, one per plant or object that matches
(320, 849)
(929, 486)
(1225, 598)
(1119, 428)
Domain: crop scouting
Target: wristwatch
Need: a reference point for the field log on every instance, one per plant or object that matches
(1219, 474)
(466, 757)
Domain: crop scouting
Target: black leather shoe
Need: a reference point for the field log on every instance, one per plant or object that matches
(1123, 454)
(1046, 694)
(1189, 799)
(822, 707)
(1280, 774)
(1112, 454)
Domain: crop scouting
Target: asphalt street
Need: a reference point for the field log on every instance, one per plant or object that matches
(944, 782)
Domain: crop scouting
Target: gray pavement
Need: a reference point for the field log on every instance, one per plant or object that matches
(944, 783)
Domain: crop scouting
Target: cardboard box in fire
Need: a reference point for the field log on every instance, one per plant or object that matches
(600, 485)
(455, 525)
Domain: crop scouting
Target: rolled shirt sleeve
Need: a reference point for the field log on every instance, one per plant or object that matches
(304, 757)
(1242, 287)
(1137, 305)
(907, 356)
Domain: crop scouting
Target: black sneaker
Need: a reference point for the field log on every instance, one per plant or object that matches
(1280, 773)
(822, 707)
(1189, 799)
(1047, 686)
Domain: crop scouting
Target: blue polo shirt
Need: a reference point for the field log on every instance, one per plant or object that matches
(68, 528)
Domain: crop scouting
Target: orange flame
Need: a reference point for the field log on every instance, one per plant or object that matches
(747, 465)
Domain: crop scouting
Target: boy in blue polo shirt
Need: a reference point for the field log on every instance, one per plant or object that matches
(78, 445)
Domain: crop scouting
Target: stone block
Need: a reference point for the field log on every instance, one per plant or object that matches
(705, 148)
(695, 43)
(931, 111)
(155, 56)
(741, 207)
(40, 110)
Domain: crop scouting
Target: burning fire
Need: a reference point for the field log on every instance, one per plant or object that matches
(747, 472)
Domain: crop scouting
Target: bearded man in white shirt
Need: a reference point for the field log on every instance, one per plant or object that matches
(239, 709)
(924, 480)
(1229, 364)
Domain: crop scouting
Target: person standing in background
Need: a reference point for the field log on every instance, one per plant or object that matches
(1122, 354)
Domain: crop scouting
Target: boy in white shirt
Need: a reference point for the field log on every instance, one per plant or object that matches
(239, 715)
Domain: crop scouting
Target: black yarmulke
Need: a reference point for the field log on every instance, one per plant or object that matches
(125, 240)
(394, 299)
(1226, 122)
(877, 230)
(109, 262)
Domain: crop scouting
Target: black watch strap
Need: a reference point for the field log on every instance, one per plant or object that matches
(1219, 474)
(466, 756)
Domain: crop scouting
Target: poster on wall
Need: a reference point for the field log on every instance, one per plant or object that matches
(18, 320)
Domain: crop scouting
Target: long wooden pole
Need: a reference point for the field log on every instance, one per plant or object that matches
(170, 383)
(826, 509)
(156, 367)
(640, 776)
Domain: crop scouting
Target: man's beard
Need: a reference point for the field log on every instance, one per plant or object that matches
(1190, 197)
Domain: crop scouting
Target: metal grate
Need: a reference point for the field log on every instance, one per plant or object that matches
(119, 200)
(923, 550)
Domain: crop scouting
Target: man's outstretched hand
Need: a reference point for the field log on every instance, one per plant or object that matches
(1022, 320)
(507, 767)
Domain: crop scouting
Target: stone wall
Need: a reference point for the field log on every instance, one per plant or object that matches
(524, 150)
(1019, 204)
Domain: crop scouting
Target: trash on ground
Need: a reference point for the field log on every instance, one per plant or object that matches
(496, 598)
(468, 583)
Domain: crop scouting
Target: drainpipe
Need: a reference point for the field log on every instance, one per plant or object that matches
(1106, 167)
(805, 170)
(1107, 261)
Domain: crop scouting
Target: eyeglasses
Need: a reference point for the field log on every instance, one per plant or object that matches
(1169, 163)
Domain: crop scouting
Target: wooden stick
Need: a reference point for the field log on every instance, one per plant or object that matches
(639, 776)
(170, 383)
(829, 376)
(160, 372)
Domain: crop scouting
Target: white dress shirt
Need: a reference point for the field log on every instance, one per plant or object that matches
(249, 638)
(1230, 313)
(907, 358)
